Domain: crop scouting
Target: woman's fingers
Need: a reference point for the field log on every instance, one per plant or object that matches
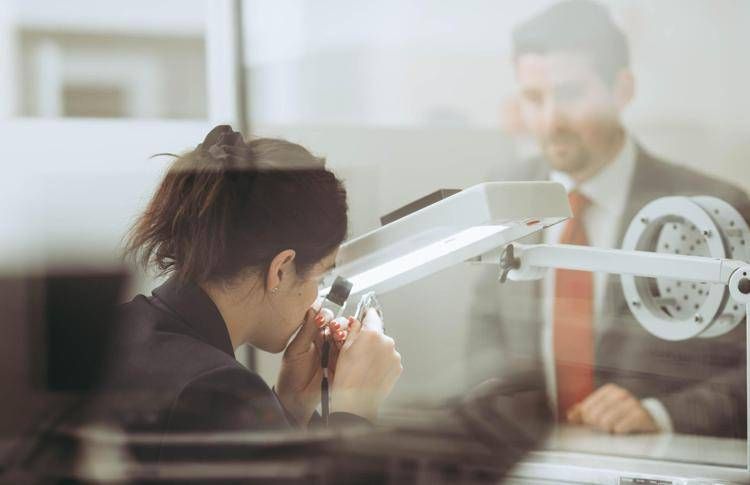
(367, 369)
(305, 338)
(339, 337)
(353, 330)
(338, 334)
(394, 372)
(372, 320)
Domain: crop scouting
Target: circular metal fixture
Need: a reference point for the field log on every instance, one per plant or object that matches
(692, 226)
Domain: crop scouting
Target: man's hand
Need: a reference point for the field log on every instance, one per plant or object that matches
(613, 409)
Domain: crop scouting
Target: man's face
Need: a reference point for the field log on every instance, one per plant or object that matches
(572, 112)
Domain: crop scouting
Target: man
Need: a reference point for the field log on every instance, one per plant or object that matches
(574, 331)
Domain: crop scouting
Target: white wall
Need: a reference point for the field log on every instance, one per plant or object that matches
(71, 189)
(184, 17)
(152, 54)
(403, 60)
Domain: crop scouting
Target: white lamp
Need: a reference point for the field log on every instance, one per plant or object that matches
(455, 229)
(472, 224)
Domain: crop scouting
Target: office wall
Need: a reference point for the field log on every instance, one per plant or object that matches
(403, 62)
(70, 189)
(85, 58)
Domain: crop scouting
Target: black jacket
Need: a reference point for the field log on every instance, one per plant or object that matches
(174, 370)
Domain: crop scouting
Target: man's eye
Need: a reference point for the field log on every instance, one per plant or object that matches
(568, 93)
(533, 97)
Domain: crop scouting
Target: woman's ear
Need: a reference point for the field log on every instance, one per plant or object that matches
(280, 270)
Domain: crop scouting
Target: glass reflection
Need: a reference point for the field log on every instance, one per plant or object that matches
(599, 96)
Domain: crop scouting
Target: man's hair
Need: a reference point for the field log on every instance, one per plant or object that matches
(579, 26)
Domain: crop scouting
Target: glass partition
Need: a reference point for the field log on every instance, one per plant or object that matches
(623, 102)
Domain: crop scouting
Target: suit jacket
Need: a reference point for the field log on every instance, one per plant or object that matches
(701, 382)
(174, 370)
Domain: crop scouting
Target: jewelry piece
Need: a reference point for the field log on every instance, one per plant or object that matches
(274, 290)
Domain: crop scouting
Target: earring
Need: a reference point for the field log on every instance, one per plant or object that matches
(274, 290)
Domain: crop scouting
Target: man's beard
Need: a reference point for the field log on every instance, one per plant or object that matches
(566, 152)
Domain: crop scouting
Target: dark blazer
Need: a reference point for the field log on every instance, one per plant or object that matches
(175, 364)
(701, 382)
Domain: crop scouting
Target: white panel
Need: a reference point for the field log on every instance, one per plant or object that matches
(70, 189)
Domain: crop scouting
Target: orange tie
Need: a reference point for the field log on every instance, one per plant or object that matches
(573, 319)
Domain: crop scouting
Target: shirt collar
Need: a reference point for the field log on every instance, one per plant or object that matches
(609, 187)
(194, 307)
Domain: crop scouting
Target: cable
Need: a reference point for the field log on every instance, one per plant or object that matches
(324, 393)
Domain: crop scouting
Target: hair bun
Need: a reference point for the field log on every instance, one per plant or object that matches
(226, 146)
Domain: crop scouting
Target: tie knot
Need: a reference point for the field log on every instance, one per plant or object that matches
(578, 203)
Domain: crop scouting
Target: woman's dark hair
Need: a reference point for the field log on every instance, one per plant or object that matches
(231, 205)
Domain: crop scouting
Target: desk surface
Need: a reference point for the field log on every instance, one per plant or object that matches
(583, 455)
(664, 446)
(668, 447)
(575, 454)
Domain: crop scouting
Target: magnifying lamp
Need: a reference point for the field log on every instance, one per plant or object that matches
(694, 250)
(450, 231)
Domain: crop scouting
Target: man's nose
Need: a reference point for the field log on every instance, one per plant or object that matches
(553, 116)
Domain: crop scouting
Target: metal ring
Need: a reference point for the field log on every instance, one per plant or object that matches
(735, 235)
(662, 314)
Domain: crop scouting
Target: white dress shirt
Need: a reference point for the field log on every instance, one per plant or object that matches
(608, 192)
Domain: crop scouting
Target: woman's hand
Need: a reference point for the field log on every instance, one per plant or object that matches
(367, 367)
(298, 385)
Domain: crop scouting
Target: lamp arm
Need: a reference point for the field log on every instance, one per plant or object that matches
(532, 260)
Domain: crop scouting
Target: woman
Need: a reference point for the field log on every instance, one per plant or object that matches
(247, 230)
